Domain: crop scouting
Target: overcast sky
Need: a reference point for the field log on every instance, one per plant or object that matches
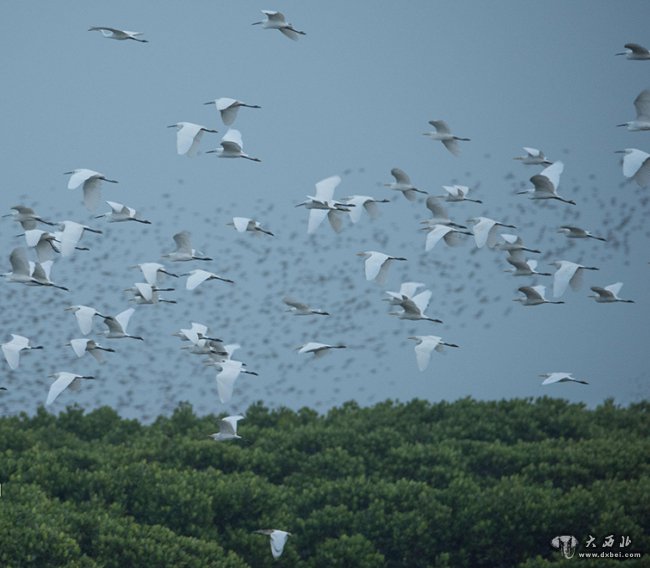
(351, 98)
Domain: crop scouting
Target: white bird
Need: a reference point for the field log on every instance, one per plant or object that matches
(406, 290)
(198, 276)
(533, 157)
(196, 332)
(523, 267)
(188, 137)
(117, 325)
(227, 428)
(636, 165)
(83, 345)
(84, 316)
(425, 346)
(415, 307)
(301, 309)
(277, 538)
(443, 232)
(151, 270)
(40, 272)
(120, 212)
(145, 293)
(318, 349)
(457, 193)
(21, 272)
(232, 147)
(42, 242)
(184, 251)
(560, 377)
(642, 106)
(228, 108)
(513, 243)
(113, 33)
(71, 233)
(63, 381)
(573, 232)
(323, 205)
(360, 202)
(228, 372)
(546, 183)
(90, 181)
(568, 273)
(26, 217)
(486, 231)
(243, 224)
(609, 294)
(403, 183)
(377, 264)
(276, 21)
(534, 296)
(445, 136)
(635, 51)
(12, 349)
(439, 214)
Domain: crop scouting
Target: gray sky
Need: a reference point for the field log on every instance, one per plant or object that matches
(352, 97)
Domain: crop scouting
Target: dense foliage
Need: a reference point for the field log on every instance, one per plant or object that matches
(418, 484)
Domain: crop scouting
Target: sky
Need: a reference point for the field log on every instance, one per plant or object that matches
(351, 98)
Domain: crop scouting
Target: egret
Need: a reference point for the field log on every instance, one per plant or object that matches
(513, 243)
(439, 213)
(415, 307)
(42, 242)
(188, 136)
(120, 213)
(113, 33)
(406, 290)
(228, 372)
(445, 136)
(546, 183)
(568, 273)
(63, 381)
(533, 157)
(40, 272)
(117, 325)
(232, 147)
(276, 21)
(573, 232)
(301, 309)
(636, 165)
(151, 270)
(214, 348)
(486, 231)
(145, 293)
(83, 345)
(196, 332)
(243, 224)
(26, 217)
(377, 264)
(323, 205)
(21, 272)
(198, 276)
(425, 344)
(642, 106)
(318, 349)
(90, 181)
(523, 267)
(360, 202)
(228, 108)
(443, 232)
(457, 193)
(184, 251)
(534, 296)
(84, 316)
(403, 183)
(560, 377)
(12, 349)
(71, 233)
(227, 428)
(635, 51)
(609, 294)
(277, 538)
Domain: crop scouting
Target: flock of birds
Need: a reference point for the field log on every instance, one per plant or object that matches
(32, 262)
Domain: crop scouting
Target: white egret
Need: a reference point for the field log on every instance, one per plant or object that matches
(439, 213)
(425, 344)
(545, 184)
(40, 272)
(12, 349)
(120, 212)
(117, 325)
(443, 232)
(198, 276)
(21, 272)
(403, 183)
(318, 349)
(184, 251)
(486, 231)
(609, 294)
(573, 232)
(406, 290)
(188, 137)
(243, 224)
(63, 381)
(377, 264)
(26, 217)
(114, 33)
(635, 51)
(83, 345)
(276, 21)
(443, 133)
(361, 202)
(227, 428)
(301, 309)
(323, 205)
(457, 193)
(71, 233)
(568, 273)
(227, 373)
(90, 181)
(277, 538)
(513, 243)
(42, 242)
(232, 147)
(642, 106)
(636, 165)
(415, 307)
(228, 108)
(145, 293)
(151, 270)
(534, 296)
(523, 267)
(196, 332)
(84, 316)
(533, 157)
(560, 377)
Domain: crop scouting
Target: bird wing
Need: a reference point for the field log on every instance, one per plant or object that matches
(295, 303)
(228, 424)
(335, 220)
(188, 137)
(150, 272)
(71, 235)
(552, 173)
(562, 277)
(642, 175)
(642, 105)
(576, 280)
(19, 262)
(278, 540)
(80, 176)
(92, 193)
(481, 231)
(232, 140)
(224, 102)
(123, 318)
(603, 292)
(79, 346)
(325, 188)
(637, 49)
(633, 160)
(374, 264)
(533, 292)
(371, 207)
(11, 350)
(33, 236)
(84, 316)
(409, 288)
(240, 223)
(400, 176)
(316, 217)
(452, 146)
(183, 243)
(437, 210)
(434, 236)
(229, 114)
(196, 277)
(533, 152)
(145, 290)
(226, 378)
(291, 33)
(423, 350)
(554, 378)
(311, 347)
(614, 289)
(441, 126)
(117, 207)
(62, 382)
(274, 16)
(357, 201)
(422, 299)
